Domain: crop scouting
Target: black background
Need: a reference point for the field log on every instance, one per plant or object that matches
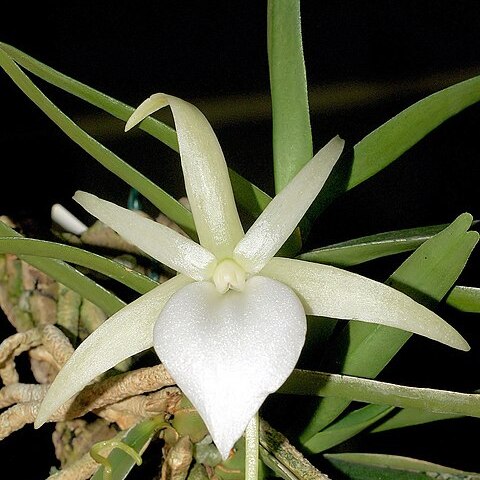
(206, 52)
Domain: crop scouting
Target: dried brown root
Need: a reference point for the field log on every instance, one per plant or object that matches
(178, 460)
(97, 396)
(13, 346)
(130, 411)
(21, 393)
(119, 387)
(55, 352)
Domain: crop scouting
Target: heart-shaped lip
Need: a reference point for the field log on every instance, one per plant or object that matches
(228, 351)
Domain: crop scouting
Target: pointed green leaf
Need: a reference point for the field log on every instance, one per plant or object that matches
(71, 278)
(292, 137)
(116, 108)
(372, 466)
(249, 197)
(305, 382)
(385, 144)
(408, 417)
(99, 152)
(364, 350)
(466, 299)
(364, 249)
(66, 253)
(348, 427)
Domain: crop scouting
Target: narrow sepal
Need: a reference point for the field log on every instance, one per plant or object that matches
(331, 292)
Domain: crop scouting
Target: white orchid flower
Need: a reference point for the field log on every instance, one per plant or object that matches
(231, 325)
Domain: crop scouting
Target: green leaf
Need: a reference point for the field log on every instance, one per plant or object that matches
(292, 137)
(350, 425)
(41, 248)
(162, 200)
(138, 438)
(364, 249)
(70, 277)
(120, 110)
(305, 382)
(466, 299)
(363, 349)
(408, 417)
(250, 198)
(385, 144)
(372, 466)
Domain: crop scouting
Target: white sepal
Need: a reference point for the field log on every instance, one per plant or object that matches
(331, 292)
(206, 175)
(284, 212)
(126, 333)
(162, 243)
(228, 351)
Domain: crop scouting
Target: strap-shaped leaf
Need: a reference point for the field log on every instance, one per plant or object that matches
(306, 382)
(363, 249)
(466, 299)
(366, 466)
(99, 152)
(389, 141)
(292, 136)
(408, 417)
(70, 277)
(67, 253)
(366, 349)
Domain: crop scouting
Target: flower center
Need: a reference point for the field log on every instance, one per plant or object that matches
(229, 274)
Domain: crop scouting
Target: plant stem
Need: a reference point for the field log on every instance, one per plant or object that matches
(251, 449)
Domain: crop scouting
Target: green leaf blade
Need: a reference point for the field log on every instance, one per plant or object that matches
(162, 200)
(364, 249)
(372, 466)
(389, 141)
(364, 350)
(292, 137)
(70, 277)
(66, 253)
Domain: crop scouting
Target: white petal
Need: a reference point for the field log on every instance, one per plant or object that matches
(162, 243)
(126, 333)
(206, 175)
(284, 212)
(332, 292)
(227, 352)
